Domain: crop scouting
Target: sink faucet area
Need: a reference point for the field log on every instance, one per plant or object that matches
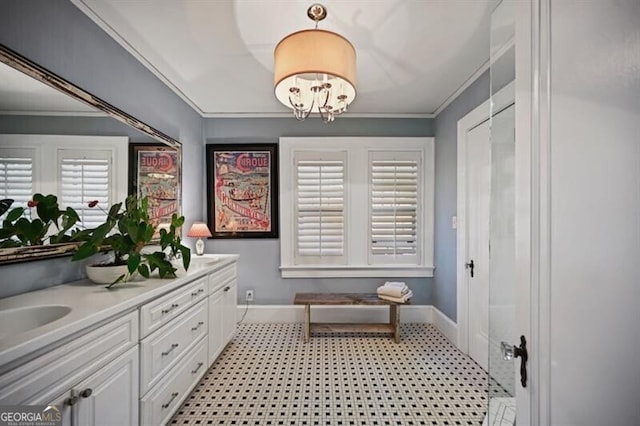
(18, 320)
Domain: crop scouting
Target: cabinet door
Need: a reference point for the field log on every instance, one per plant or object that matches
(230, 308)
(110, 396)
(216, 314)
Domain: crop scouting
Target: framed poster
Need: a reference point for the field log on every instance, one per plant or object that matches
(155, 173)
(242, 190)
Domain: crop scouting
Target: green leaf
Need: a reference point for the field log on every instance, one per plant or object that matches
(143, 269)
(84, 251)
(15, 214)
(5, 204)
(133, 262)
(186, 256)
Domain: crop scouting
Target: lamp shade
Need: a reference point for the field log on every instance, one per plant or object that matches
(199, 230)
(305, 58)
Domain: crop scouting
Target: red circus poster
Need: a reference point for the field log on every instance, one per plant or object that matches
(242, 191)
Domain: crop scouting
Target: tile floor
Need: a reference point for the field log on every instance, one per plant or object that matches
(268, 376)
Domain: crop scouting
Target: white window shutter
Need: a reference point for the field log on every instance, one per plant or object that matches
(16, 176)
(394, 209)
(320, 208)
(86, 176)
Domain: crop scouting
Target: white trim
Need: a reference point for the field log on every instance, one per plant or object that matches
(468, 82)
(533, 205)
(288, 114)
(501, 100)
(352, 313)
(445, 325)
(374, 271)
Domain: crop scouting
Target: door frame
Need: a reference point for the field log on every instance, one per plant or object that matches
(502, 99)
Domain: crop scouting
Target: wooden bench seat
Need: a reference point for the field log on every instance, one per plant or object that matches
(308, 299)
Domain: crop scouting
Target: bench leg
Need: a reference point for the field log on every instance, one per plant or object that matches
(394, 320)
(307, 322)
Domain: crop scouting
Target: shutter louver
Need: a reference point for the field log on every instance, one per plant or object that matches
(16, 180)
(83, 180)
(394, 207)
(320, 207)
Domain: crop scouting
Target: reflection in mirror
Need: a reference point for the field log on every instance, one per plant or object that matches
(58, 139)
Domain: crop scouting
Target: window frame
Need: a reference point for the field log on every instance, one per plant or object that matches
(47, 148)
(357, 231)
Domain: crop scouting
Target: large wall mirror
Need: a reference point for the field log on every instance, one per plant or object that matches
(56, 138)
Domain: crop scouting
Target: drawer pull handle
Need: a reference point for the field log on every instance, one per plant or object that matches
(168, 403)
(86, 393)
(169, 309)
(200, 364)
(195, 293)
(200, 324)
(173, 346)
(227, 288)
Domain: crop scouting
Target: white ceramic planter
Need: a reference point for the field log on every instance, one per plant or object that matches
(101, 274)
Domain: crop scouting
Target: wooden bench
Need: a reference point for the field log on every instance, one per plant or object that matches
(308, 299)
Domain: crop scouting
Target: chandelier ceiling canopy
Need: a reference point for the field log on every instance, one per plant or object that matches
(315, 71)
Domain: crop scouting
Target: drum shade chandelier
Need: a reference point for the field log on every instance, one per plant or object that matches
(315, 71)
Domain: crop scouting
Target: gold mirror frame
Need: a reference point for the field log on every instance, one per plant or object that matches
(20, 63)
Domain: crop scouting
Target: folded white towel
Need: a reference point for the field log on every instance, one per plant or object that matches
(402, 299)
(392, 291)
(396, 284)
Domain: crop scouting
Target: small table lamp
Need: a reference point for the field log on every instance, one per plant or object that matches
(200, 231)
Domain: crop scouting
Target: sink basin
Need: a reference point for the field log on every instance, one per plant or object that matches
(19, 320)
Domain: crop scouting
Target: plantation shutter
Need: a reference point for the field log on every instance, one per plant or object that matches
(394, 207)
(86, 176)
(320, 207)
(16, 176)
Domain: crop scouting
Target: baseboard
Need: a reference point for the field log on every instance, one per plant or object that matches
(359, 313)
(445, 325)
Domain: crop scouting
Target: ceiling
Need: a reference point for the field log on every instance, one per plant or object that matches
(412, 55)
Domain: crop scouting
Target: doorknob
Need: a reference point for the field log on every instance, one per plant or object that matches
(510, 352)
(470, 267)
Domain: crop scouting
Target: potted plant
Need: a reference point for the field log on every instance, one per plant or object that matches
(21, 227)
(125, 232)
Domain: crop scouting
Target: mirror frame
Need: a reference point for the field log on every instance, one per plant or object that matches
(26, 66)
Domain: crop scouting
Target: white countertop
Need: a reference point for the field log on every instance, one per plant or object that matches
(91, 304)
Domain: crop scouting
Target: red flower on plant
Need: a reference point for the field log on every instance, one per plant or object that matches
(93, 203)
(32, 203)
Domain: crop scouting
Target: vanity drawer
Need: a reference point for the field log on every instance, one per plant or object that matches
(221, 277)
(162, 349)
(64, 366)
(157, 407)
(155, 314)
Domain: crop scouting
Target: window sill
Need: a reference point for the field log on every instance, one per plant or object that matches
(366, 271)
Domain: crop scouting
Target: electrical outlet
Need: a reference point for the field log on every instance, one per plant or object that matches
(249, 296)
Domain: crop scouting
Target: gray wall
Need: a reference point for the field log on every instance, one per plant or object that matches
(444, 283)
(58, 36)
(64, 125)
(260, 258)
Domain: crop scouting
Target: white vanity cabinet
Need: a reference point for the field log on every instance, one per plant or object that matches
(93, 378)
(222, 308)
(140, 352)
(173, 350)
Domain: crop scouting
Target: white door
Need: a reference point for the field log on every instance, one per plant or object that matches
(478, 187)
